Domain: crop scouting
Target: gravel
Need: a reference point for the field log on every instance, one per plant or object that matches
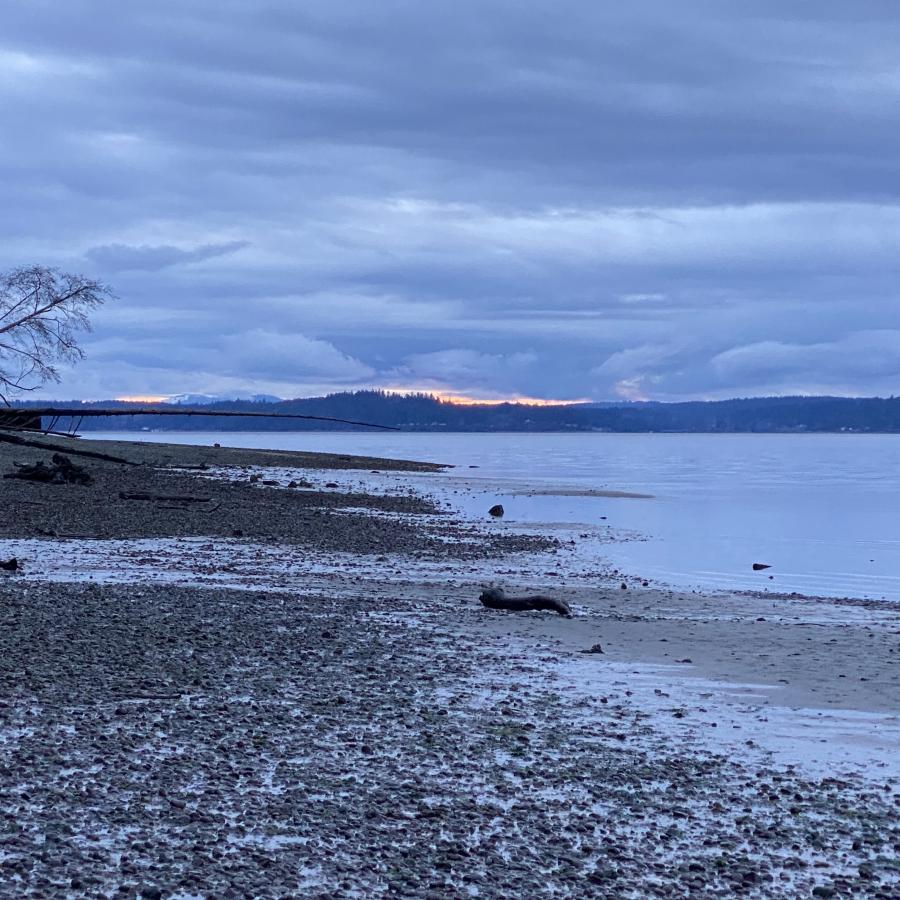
(175, 742)
(183, 742)
(239, 506)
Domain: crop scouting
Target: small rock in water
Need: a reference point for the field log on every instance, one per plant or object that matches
(496, 511)
(758, 567)
(331, 484)
(623, 586)
(10, 565)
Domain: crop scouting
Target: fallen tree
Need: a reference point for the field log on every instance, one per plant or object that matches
(495, 598)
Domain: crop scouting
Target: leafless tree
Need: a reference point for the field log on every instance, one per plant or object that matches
(41, 313)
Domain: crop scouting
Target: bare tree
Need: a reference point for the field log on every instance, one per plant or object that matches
(41, 313)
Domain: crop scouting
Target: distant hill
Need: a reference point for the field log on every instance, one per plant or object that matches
(206, 399)
(423, 412)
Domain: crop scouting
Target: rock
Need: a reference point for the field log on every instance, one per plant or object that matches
(823, 891)
(623, 586)
(758, 567)
(331, 484)
(11, 565)
(496, 511)
(597, 648)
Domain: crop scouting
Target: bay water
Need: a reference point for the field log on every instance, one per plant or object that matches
(822, 510)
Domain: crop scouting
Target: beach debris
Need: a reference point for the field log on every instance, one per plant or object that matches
(72, 451)
(758, 567)
(162, 498)
(61, 471)
(596, 648)
(495, 598)
(10, 565)
(496, 511)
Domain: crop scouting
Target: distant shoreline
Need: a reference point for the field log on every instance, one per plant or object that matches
(420, 412)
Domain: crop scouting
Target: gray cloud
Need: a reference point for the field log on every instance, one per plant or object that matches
(583, 200)
(122, 257)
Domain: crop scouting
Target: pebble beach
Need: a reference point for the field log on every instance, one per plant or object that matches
(278, 691)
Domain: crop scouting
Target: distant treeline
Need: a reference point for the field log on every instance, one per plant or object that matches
(422, 412)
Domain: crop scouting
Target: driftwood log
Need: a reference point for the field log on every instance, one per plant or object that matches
(162, 498)
(62, 471)
(495, 598)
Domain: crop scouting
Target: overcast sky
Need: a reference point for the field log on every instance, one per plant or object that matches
(564, 200)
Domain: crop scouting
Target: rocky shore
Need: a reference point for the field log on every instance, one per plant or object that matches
(159, 496)
(349, 733)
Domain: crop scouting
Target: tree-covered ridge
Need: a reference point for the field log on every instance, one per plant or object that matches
(423, 412)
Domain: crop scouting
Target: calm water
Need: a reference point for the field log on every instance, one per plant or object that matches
(822, 510)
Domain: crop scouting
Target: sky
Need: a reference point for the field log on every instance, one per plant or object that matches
(482, 198)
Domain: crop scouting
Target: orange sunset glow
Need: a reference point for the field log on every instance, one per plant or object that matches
(459, 398)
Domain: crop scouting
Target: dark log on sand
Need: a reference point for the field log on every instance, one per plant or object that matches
(495, 598)
(162, 498)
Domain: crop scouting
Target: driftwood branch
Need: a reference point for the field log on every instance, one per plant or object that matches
(59, 448)
(162, 498)
(148, 696)
(495, 598)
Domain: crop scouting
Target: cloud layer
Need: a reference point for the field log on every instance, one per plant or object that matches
(569, 200)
